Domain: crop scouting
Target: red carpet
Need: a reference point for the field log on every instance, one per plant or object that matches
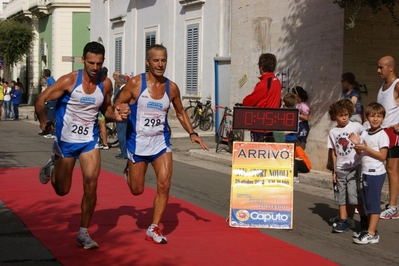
(195, 236)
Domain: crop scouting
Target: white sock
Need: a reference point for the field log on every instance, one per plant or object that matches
(83, 230)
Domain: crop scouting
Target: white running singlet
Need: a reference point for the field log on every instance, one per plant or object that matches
(76, 113)
(386, 99)
(147, 129)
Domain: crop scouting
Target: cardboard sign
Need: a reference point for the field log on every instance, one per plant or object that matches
(262, 185)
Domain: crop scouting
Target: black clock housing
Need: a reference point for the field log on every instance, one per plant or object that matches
(268, 119)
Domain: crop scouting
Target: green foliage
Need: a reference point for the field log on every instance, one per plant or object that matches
(16, 40)
(375, 5)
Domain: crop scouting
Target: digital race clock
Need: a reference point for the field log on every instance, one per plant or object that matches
(270, 119)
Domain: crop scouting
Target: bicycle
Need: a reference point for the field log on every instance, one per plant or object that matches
(112, 137)
(200, 114)
(226, 135)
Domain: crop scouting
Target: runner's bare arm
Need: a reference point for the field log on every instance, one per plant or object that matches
(107, 108)
(127, 96)
(55, 91)
(182, 115)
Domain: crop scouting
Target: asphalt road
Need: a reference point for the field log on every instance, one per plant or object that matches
(203, 183)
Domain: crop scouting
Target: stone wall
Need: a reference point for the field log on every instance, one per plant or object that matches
(307, 38)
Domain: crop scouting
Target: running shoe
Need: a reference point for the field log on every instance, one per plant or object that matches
(341, 227)
(45, 172)
(365, 238)
(85, 241)
(390, 212)
(154, 234)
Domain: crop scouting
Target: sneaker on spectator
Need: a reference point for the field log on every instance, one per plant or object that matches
(104, 147)
(85, 241)
(356, 234)
(49, 136)
(365, 238)
(341, 227)
(390, 212)
(154, 233)
(336, 219)
(45, 172)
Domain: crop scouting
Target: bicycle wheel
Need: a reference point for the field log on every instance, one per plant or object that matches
(112, 137)
(238, 135)
(207, 119)
(219, 135)
(235, 135)
(192, 113)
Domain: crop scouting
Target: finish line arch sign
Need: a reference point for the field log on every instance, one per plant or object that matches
(262, 185)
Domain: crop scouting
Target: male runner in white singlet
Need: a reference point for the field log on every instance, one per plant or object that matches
(149, 95)
(80, 95)
(388, 96)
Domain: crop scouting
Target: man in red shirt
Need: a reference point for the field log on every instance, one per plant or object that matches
(266, 94)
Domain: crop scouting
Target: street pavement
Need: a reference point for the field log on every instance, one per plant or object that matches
(19, 247)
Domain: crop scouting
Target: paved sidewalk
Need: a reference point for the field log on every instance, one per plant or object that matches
(315, 178)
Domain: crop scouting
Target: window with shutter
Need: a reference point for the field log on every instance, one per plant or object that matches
(150, 39)
(118, 54)
(192, 59)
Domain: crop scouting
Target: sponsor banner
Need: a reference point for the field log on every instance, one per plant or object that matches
(262, 185)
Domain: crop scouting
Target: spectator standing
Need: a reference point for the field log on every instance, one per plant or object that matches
(302, 163)
(350, 90)
(372, 145)
(304, 110)
(114, 76)
(16, 100)
(50, 105)
(388, 96)
(7, 100)
(1, 99)
(12, 86)
(267, 92)
(346, 174)
(121, 127)
(289, 101)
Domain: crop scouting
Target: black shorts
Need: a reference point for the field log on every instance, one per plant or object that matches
(393, 152)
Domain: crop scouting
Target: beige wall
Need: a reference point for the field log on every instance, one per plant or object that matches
(307, 38)
(373, 36)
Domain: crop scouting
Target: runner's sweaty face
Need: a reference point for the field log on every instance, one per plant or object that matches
(157, 62)
(93, 64)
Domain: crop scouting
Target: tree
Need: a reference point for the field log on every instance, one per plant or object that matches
(16, 42)
(376, 5)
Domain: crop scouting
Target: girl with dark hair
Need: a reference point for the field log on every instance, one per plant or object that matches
(350, 90)
(304, 109)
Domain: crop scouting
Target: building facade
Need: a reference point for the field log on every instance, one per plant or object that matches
(214, 45)
(61, 29)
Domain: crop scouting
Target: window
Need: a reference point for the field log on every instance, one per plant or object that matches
(150, 39)
(118, 54)
(192, 59)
